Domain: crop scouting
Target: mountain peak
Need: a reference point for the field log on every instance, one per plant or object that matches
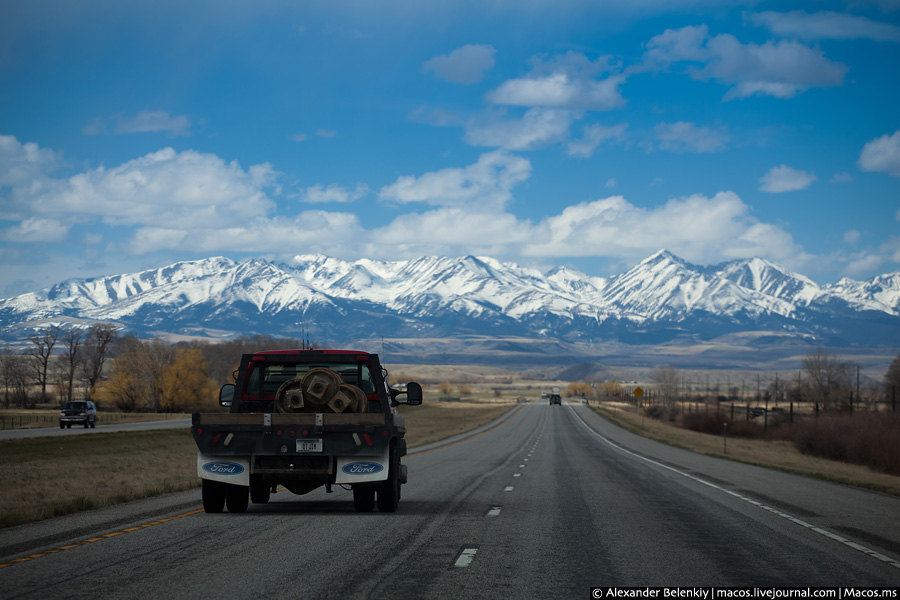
(662, 297)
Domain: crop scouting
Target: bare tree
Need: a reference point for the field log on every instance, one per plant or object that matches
(892, 380)
(828, 378)
(98, 345)
(667, 382)
(43, 342)
(72, 339)
(15, 377)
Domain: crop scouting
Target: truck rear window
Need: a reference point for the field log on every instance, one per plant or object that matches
(275, 374)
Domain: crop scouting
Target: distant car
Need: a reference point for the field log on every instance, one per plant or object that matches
(555, 399)
(78, 411)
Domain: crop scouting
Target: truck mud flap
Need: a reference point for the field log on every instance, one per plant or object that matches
(231, 469)
(358, 469)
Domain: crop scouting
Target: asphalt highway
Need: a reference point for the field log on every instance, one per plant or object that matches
(18, 434)
(546, 503)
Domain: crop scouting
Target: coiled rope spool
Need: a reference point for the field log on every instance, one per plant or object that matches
(319, 389)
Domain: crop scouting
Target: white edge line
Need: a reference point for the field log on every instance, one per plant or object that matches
(811, 527)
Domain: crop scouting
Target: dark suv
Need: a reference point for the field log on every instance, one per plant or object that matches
(79, 411)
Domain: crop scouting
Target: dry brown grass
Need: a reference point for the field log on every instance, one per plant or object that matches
(52, 476)
(781, 455)
(435, 421)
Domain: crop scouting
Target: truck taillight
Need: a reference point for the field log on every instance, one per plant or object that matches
(200, 430)
(216, 439)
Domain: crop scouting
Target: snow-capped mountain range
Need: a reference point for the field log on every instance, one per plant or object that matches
(661, 299)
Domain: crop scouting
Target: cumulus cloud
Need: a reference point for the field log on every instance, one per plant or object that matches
(594, 136)
(785, 179)
(566, 81)
(824, 25)
(487, 183)
(560, 90)
(882, 155)
(688, 137)
(22, 165)
(189, 188)
(538, 127)
(323, 231)
(36, 229)
(453, 231)
(697, 228)
(781, 69)
(318, 194)
(467, 64)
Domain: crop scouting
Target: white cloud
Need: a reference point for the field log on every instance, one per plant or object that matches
(333, 193)
(467, 64)
(882, 155)
(825, 25)
(538, 127)
(697, 228)
(452, 231)
(781, 69)
(676, 45)
(316, 231)
(23, 165)
(560, 90)
(563, 81)
(486, 184)
(595, 135)
(36, 229)
(785, 179)
(688, 137)
(164, 187)
(326, 133)
(852, 236)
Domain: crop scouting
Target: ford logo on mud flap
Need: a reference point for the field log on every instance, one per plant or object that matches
(362, 468)
(223, 468)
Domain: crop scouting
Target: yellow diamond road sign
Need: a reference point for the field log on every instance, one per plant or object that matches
(638, 392)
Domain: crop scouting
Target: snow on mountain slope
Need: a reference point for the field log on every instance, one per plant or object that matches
(441, 296)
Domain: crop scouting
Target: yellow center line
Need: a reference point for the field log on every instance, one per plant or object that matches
(97, 539)
(194, 512)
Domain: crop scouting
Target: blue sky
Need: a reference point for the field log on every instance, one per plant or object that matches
(586, 134)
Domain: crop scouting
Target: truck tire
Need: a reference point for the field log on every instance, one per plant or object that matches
(237, 497)
(213, 495)
(389, 490)
(260, 490)
(364, 498)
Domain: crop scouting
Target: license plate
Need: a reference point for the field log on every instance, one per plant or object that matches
(309, 445)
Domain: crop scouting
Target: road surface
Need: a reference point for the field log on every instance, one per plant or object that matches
(547, 503)
(18, 434)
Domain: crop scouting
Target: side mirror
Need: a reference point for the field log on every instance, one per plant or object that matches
(226, 395)
(413, 394)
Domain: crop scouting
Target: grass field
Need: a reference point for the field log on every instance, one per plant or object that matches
(46, 477)
(780, 455)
